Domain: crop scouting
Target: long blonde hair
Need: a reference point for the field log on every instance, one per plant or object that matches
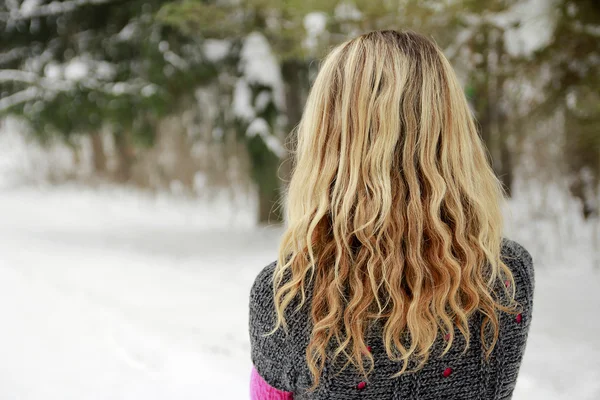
(393, 210)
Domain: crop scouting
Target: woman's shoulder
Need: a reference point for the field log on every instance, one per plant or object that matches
(262, 287)
(514, 250)
(271, 349)
(517, 258)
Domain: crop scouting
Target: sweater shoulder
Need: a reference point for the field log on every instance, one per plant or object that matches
(262, 288)
(271, 349)
(518, 259)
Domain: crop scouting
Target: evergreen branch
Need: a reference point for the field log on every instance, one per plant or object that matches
(46, 10)
(15, 75)
(54, 85)
(20, 97)
(13, 54)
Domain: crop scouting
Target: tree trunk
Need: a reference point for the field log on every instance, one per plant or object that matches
(295, 76)
(98, 154)
(492, 119)
(269, 210)
(265, 165)
(506, 173)
(505, 170)
(125, 156)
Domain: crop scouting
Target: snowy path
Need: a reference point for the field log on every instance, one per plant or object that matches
(117, 296)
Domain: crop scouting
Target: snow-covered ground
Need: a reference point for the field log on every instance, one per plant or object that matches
(112, 294)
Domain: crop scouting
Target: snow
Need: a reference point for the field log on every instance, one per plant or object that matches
(29, 6)
(13, 54)
(23, 160)
(102, 307)
(53, 70)
(274, 144)
(242, 100)
(119, 88)
(128, 32)
(262, 100)
(33, 9)
(105, 71)
(149, 90)
(314, 24)
(171, 57)
(19, 98)
(258, 127)
(118, 294)
(561, 361)
(89, 73)
(259, 66)
(346, 11)
(529, 25)
(77, 69)
(215, 50)
(7, 75)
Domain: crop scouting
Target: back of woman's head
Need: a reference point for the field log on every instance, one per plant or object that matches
(393, 210)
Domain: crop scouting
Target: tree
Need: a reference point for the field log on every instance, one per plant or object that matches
(566, 73)
(72, 67)
(297, 32)
(573, 86)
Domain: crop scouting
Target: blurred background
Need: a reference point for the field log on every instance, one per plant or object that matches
(144, 146)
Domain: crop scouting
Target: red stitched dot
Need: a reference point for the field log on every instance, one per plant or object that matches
(369, 349)
(361, 385)
(519, 318)
(507, 283)
(447, 372)
(447, 337)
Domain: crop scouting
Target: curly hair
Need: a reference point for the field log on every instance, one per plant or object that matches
(393, 210)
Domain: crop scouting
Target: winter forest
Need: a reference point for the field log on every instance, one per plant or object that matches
(145, 146)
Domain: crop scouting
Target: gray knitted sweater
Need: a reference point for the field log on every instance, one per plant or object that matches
(280, 358)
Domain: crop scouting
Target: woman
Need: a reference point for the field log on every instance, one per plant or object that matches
(393, 280)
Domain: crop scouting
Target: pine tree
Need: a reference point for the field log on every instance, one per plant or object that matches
(297, 32)
(570, 63)
(71, 67)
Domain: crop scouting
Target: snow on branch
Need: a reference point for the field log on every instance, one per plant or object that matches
(19, 97)
(53, 8)
(12, 75)
(33, 79)
(261, 128)
(13, 54)
(12, 4)
(52, 86)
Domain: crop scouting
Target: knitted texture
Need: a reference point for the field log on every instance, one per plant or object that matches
(458, 375)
